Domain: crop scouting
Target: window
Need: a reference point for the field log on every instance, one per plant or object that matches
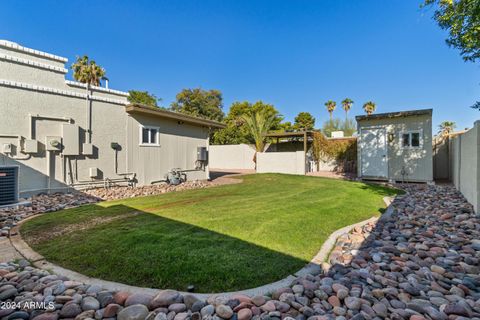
(411, 139)
(149, 136)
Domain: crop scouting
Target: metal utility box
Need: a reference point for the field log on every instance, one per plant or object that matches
(202, 154)
(30, 146)
(93, 172)
(7, 148)
(8, 184)
(53, 143)
(87, 149)
(71, 139)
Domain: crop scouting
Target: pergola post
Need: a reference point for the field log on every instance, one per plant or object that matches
(305, 149)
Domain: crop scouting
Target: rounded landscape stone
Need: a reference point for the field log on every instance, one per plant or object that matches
(244, 314)
(224, 311)
(135, 312)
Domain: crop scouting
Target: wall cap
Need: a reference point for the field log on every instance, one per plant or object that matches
(15, 46)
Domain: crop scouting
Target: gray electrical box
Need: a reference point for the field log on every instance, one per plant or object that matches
(71, 139)
(202, 154)
(93, 172)
(30, 146)
(7, 148)
(87, 149)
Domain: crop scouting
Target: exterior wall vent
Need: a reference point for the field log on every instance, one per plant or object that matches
(8, 184)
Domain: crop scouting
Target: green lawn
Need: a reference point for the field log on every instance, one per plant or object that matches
(223, 238)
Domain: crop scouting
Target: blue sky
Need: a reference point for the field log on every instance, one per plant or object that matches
(293, 54)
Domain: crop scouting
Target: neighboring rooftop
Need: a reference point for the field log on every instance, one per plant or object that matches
(157, 112)
(399, 114)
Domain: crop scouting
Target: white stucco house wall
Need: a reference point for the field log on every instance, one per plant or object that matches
(60, 139)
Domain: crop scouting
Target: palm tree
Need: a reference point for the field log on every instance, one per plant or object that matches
(87, 71)
(331, 105)
(446, 127)
(369, 107)
(258, 124)
(347, 105)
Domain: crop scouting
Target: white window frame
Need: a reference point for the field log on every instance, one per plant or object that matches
(149, 144)
(410, 132)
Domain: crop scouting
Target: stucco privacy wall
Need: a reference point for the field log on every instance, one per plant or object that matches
(33, 82)
(465, 164)
(234, 156)
(417, 162)
(281, 162)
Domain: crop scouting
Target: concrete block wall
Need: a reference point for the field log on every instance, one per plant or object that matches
(281, 162)
(234, 156)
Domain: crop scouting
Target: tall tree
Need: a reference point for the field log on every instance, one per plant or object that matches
(347, 105)
(348, 127)
(200, 103)
(236, 131)
(461, 18)
(304, 121)
(331, 105)
(369, 107)
(87, 71)
(258, 124)
(446, 127)
(287, 126)
(331, 125)
(143, 97)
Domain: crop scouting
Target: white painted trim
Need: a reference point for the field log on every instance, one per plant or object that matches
(32, 63)
(143, 144)
(409, 132)
(21, 85)
(96, 88)
(17, 47)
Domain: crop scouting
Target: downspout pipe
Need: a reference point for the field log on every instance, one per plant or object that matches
(88, 114)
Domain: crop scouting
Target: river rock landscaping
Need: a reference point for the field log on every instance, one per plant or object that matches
(117, 192)
(420, 262)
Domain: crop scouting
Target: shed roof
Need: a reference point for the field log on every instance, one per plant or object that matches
(399, 114)
(157, 112)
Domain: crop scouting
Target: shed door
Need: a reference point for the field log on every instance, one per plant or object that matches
(374, 152)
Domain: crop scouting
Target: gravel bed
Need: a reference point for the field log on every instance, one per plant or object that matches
(422, 262)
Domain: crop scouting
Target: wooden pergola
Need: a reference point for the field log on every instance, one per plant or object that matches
(297, 134)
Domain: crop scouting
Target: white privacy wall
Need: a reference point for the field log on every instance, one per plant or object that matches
(235, 156)
(465, 164)
(281, 162)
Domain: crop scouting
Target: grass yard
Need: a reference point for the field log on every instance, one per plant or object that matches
(222, 238)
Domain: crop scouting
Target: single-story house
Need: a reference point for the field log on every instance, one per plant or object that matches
(396, 146)
(61, 136)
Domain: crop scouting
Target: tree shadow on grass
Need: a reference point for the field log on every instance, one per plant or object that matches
(148, 250)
